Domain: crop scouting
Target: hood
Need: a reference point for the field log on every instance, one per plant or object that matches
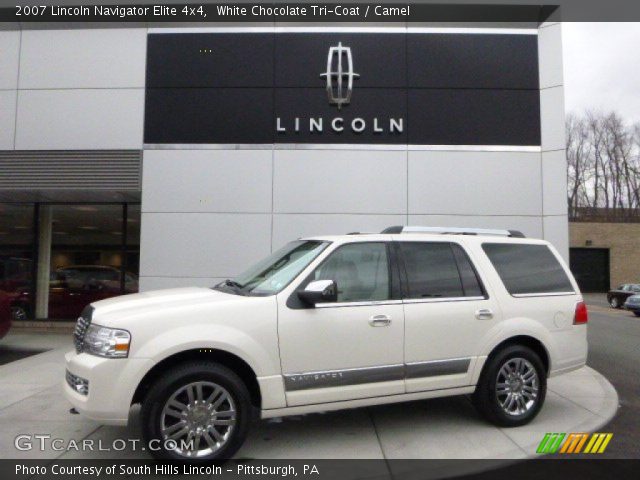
(158, 300)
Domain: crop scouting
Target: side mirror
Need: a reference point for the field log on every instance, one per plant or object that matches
(319, 291)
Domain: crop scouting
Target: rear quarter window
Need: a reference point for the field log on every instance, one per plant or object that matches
(528, 269)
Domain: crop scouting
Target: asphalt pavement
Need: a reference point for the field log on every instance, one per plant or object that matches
(614, 351)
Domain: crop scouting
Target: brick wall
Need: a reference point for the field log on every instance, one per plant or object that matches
(623, 241)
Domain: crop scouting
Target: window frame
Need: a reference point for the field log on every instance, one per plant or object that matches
(395, 293)
(406, 298)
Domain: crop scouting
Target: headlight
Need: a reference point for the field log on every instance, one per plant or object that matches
(107, 342)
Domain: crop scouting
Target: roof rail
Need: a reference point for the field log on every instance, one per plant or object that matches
(455, 231)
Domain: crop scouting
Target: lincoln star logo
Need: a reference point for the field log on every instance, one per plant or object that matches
(339, 94)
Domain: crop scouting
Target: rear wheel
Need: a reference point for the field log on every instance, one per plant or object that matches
(614, 302)
(199, 412)
(512, 387)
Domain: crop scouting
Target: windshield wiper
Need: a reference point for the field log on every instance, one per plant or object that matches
(232, 283)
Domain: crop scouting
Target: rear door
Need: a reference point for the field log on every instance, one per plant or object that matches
(447, 311)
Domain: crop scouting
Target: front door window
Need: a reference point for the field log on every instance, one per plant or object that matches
(360, 270)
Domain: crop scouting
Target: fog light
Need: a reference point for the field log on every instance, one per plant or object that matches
(79, 384)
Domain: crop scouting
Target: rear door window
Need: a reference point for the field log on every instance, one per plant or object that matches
(438, 270)
(528, 269)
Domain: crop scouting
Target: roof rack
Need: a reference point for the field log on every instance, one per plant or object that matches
(454, 231)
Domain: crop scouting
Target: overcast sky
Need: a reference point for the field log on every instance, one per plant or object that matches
(602, 67)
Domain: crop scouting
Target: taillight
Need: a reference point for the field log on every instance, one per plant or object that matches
(581, 316)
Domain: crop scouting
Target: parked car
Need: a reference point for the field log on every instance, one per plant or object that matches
(329, 323)
(74, 287)
(15, 273)
(5, 313)
(633, 304)
(617, 296)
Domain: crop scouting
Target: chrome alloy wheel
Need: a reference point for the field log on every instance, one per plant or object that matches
(198, 419)
(517, 386)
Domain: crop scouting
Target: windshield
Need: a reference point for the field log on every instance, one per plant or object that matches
(272, 274)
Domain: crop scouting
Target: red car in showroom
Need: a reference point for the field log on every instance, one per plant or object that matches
(74, 287)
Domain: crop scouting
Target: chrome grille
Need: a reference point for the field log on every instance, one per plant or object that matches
(84, 320)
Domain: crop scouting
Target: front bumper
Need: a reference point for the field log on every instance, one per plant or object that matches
(112, 383)
(632, 307)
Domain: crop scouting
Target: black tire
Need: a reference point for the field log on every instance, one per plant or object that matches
(173, 381)
(614, 302)
(486, 399)
(637, 314)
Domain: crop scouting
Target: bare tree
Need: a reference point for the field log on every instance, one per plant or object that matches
(603, 160)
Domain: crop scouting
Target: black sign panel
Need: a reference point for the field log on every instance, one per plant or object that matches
(474, 117)
(390, 88)
(209, 115)
(472, 61)
(379, 117)
(379, 60)
(210, 60)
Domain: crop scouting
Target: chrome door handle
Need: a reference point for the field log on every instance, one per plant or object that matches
(380, 321)
(484, 314)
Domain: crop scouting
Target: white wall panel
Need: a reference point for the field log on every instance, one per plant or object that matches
(87, 58)
(202, 244)
(7, 118)
(554, 182)
(207, 181)
(550, 56)
(552, 118)
(327, 181)
(80, 119)
(474, 183)
(9, 59)
(288, 227)
(556, 231)
(530, 226)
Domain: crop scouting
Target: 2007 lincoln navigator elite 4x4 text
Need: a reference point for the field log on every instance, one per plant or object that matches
(334, 322)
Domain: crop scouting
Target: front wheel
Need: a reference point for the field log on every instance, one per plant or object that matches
(637, 314)
(512, 387)
(199, 412)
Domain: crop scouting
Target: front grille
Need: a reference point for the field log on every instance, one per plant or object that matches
(84, 320)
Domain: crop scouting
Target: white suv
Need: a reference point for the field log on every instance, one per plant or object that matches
(334, 322)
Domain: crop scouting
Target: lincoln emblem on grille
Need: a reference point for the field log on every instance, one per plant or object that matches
(339, 94)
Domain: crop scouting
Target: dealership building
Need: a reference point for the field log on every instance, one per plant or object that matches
(155, 157)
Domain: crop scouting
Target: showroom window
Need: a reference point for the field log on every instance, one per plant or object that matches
(84, 252)
(16, 252)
